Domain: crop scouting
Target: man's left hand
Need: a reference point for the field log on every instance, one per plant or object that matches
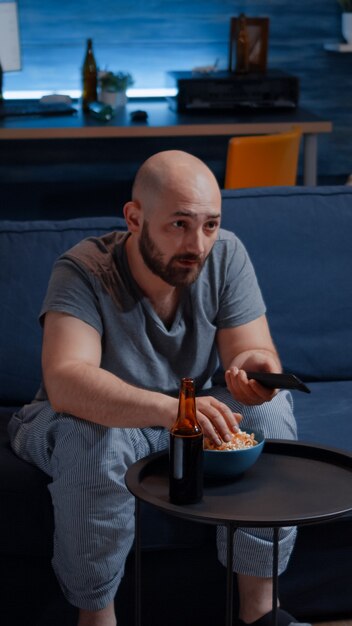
(246, 391)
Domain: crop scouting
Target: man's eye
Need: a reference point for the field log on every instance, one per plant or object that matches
(211, 225)
(179, 224)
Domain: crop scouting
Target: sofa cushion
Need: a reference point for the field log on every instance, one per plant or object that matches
(325, 416)
(302, 255)
(27, 253)
(26, 518)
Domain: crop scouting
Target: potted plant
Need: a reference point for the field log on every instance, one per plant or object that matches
(346, 19)
(113, 87)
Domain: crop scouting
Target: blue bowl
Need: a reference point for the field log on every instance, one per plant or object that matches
(231, 463)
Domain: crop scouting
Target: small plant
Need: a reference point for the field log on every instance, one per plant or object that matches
(109, 81)
(346, 5)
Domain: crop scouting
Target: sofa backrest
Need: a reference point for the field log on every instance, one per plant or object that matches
(300, 241)
(27, 253)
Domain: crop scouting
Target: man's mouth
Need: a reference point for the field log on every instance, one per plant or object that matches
(188, 260)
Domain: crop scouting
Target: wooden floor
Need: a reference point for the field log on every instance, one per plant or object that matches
(339, 623)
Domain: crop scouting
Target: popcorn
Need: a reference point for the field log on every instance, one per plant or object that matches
(239, 441)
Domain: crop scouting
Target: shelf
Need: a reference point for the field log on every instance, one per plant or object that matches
(338, 47)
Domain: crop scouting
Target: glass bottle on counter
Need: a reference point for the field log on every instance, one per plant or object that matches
(186, 450)
(89, 77)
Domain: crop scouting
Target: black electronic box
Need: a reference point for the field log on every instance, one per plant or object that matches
(226, 91)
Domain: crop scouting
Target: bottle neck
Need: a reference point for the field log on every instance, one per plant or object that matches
(186, 423)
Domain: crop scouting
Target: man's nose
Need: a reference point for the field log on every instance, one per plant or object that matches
(195, 243)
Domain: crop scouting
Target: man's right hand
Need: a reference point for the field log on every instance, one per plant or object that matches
(218, 422)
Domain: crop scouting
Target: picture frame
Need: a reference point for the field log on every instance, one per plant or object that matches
(257, 30)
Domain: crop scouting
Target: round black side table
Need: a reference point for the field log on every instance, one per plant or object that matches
(291, 484)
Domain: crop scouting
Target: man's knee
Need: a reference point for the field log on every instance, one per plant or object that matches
(275, 419)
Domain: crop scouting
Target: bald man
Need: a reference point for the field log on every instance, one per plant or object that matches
(126, 315)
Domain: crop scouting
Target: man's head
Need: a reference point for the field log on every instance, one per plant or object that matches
(174, 215)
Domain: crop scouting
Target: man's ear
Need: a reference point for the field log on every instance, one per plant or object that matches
(133, 216)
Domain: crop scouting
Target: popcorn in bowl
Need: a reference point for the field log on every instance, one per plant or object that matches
(237, 455)
(239, 441)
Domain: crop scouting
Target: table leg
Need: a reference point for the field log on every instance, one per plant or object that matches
(137, 567)
(275, 573)
(229, 574)
(310, 158)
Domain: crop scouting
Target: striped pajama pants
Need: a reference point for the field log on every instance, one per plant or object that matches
(94, 511)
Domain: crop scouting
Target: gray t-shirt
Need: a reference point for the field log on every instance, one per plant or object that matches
(92, 282)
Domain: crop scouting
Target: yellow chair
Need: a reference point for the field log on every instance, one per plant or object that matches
(263, 160)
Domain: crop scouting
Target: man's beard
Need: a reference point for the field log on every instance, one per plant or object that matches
(169, 272)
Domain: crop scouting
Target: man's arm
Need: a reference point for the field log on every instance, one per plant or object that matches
(248, 347)
(76, 384)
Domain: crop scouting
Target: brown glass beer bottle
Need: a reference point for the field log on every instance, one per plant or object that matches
(186, 450)
(89, 77)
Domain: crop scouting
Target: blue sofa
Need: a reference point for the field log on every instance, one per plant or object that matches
(300, 242)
